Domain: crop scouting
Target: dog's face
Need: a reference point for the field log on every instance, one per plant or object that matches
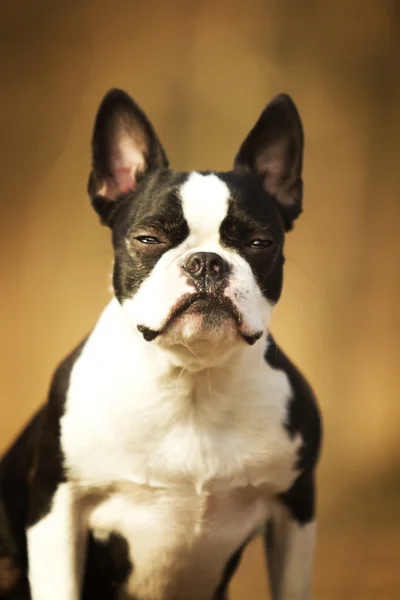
(198, 256)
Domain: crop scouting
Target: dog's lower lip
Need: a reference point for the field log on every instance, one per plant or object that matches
(203, 297)
(191, 299)
(148, 334)
(250, 338)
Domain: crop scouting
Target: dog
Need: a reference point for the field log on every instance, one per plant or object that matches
(178, 430)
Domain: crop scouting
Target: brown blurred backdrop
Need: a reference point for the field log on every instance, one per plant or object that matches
(203, 71)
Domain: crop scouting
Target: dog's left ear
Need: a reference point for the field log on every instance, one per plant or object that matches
(274, 151)
(125, 148)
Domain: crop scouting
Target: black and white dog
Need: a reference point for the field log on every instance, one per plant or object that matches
(177, 430)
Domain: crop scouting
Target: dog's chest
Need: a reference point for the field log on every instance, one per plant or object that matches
(179, 541)
(118, 428)
(185, 477)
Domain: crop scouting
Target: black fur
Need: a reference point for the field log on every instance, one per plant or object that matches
(153, 207)
(253, 213)
(30, 472)
(107, 568)
(303, 418)
(230, 570)
(119, 113)
(273, 150)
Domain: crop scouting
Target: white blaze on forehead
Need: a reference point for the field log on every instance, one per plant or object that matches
(205, 205)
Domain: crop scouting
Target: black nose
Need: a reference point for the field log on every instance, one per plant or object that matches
(206, 266)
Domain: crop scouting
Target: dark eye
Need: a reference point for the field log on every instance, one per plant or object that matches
(260, 244)
(147, 239)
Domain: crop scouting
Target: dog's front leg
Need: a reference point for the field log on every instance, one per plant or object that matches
(56, 549)
(290, 541)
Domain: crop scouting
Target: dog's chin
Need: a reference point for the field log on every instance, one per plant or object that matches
(195, 340)
(202, 327)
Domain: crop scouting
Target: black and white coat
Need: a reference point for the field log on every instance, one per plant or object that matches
(177, 430)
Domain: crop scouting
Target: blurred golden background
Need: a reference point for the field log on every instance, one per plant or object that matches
(203, 71)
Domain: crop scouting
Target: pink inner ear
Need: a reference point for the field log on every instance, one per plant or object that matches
(272, 172)
(271, 169)
(271, 163)
(127, 161)
(126, 177)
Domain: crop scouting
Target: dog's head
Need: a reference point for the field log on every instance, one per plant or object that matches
(198, 256)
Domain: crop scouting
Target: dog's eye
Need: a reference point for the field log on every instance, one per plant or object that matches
(260, 244)
(147, 239)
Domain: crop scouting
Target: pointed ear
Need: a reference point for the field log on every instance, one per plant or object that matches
(274, 151)
(124, 148)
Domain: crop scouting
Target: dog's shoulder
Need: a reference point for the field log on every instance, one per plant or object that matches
(60, 380)
(36, 455)
(303, 415)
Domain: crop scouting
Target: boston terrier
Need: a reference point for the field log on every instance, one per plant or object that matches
(178, 430)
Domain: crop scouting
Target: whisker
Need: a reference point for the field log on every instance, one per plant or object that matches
(305, 272)
(209, 384)
(179, 377)
(190, 350)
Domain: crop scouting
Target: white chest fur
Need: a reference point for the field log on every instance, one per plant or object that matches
(192, 459)
(179, 541)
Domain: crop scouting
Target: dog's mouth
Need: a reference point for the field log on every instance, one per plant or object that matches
(214, 308)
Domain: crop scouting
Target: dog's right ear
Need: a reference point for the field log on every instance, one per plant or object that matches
(124, 148)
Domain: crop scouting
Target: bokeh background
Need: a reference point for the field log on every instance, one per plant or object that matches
(203, 71)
